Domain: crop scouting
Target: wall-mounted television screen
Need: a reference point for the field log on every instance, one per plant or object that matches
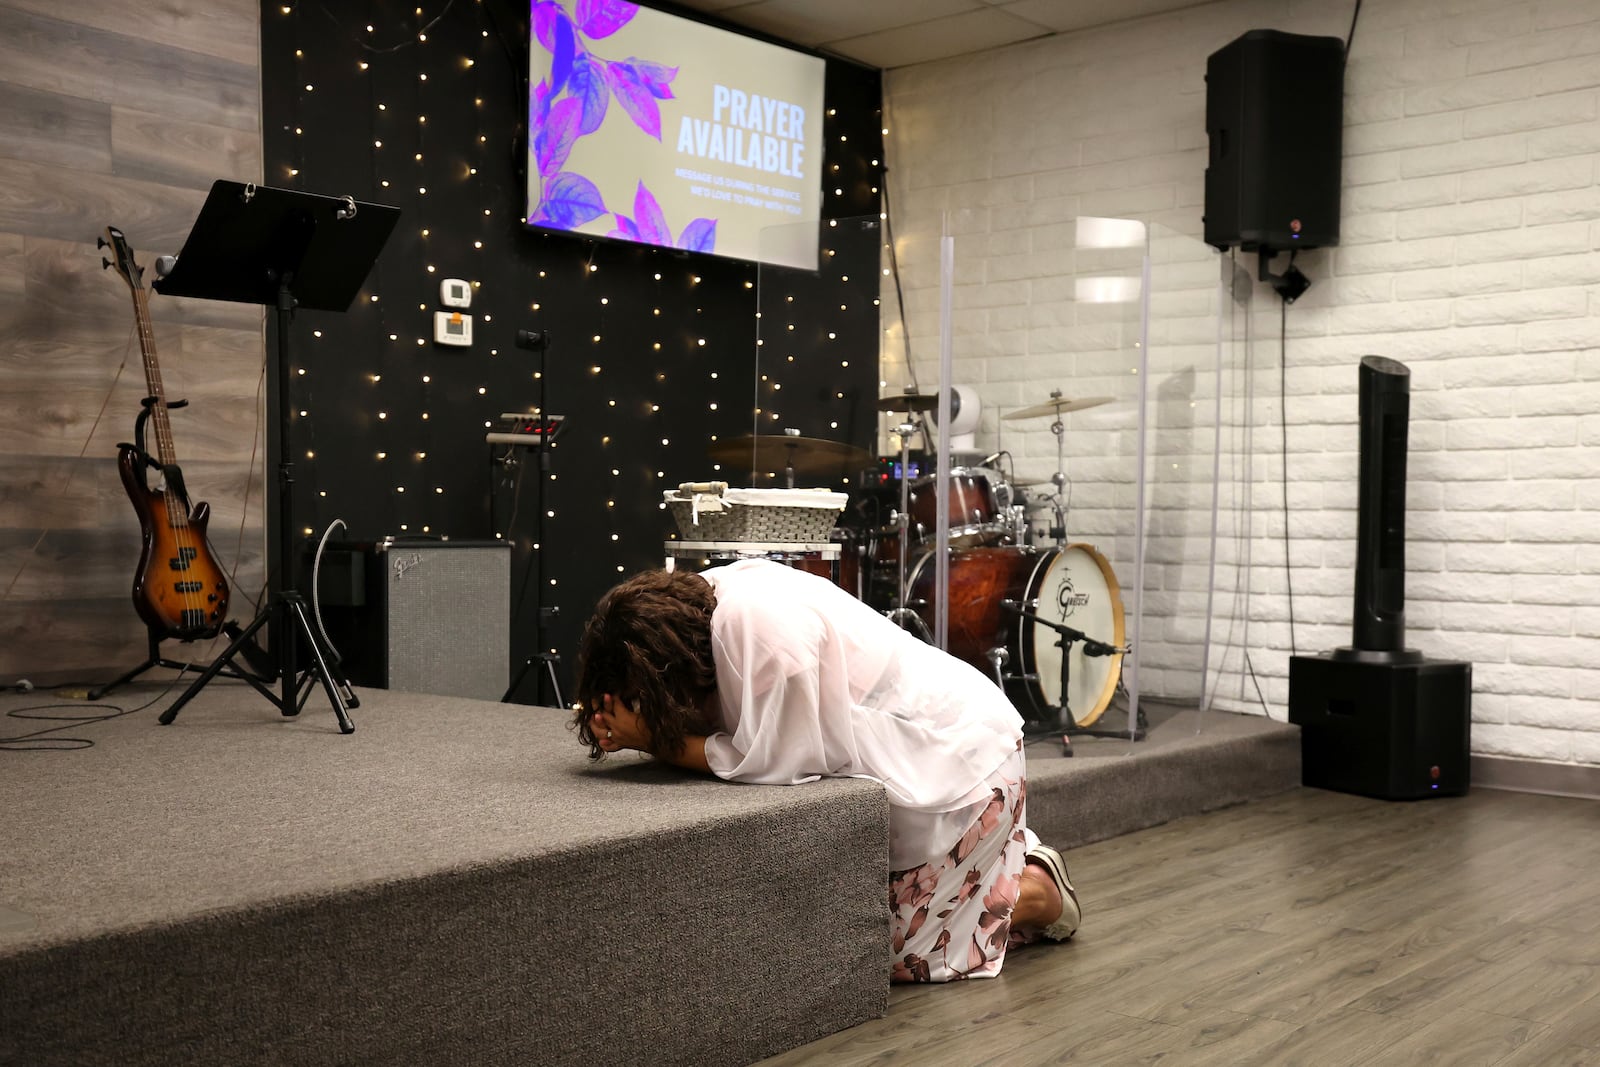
(653, 128)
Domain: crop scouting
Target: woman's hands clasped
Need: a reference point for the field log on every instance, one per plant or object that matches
(617, 726)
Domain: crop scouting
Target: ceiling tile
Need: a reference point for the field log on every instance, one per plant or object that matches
(812, 22)
(1064, 16)
(897, 33)
(722, 7)
(941, 38)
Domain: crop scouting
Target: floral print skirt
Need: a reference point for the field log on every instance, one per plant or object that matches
(952, 915)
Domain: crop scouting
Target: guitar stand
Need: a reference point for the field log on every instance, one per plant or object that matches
(154, 660)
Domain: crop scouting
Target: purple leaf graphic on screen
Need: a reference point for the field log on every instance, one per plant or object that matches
(649, 225)
(588, 84)
(545, 13)
(561, 53)
(657, 77)
(574, 101)
(555, 141)
(635, 96)
(699, 236)
(570, 200)
(539, 106)
(651, 222)
(602, 18)
(624, 229)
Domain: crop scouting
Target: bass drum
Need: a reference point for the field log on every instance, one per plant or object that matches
(1074, 586)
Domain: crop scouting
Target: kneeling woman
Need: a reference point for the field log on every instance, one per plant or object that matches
(757, 672)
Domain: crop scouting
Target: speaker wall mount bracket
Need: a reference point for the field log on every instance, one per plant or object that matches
(1291, 284)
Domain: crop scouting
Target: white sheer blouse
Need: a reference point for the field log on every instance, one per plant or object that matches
(811, 682)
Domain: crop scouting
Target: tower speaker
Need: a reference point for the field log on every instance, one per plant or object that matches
(421, 616)
(1376, 718)
(1275, 121)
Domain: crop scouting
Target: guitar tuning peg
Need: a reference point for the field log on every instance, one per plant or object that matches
(99, 242)
(105, 264)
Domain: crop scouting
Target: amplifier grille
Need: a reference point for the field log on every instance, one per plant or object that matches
(449, 618)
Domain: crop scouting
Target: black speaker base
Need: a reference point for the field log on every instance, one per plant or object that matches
(1395, 731)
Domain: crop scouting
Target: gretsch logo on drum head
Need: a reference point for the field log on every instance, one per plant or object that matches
(1069, 600)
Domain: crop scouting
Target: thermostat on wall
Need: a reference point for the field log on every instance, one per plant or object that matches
(455, 293)
(452, 328)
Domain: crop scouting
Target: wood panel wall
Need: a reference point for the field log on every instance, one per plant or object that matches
(116, 114)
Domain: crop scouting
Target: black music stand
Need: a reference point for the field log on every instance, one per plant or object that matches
(284, 249)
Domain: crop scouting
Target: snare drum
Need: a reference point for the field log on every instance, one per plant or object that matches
(1073, 586)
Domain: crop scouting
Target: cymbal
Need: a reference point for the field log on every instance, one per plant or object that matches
(909, 402)
(774, 452)
(1059, 405)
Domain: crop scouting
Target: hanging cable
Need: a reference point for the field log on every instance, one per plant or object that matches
(899, 293)
(1283, 422)
(316, 587)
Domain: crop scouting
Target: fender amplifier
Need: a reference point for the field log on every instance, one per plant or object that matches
(420, 616)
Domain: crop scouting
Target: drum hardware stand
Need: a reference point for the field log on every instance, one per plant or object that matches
(1066, 725)
(998, 657)
(285, 249)
(1059, 480)
(901, 613)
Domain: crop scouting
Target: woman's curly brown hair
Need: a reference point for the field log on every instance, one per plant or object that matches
(649, 643)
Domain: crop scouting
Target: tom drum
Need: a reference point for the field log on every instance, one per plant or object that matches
(975, 518)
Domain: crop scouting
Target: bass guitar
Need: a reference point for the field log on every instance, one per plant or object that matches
(178, 589)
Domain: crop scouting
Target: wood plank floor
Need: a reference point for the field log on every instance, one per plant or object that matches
(1313, 928)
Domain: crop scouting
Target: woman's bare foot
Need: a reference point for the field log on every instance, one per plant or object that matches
(1038, 902)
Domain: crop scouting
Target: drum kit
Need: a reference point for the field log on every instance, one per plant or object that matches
(1044, 620)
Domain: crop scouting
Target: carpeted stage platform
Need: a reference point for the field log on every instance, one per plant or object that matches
(455, 882)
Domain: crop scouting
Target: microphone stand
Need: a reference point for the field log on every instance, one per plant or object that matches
(1066, 723)
(538, 341)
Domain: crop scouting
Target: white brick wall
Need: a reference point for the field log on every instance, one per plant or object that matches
(1471, 252)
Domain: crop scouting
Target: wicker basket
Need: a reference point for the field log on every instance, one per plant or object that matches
(755, 515)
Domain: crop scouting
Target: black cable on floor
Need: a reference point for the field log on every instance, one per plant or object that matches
(38, 742)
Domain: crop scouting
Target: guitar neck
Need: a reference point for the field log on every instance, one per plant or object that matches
(165, 451)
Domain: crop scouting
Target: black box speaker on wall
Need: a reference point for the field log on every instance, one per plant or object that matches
(422, 616)
(1275, 120)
